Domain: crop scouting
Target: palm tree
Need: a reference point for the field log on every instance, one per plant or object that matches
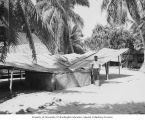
(8, 17)
(59, 15)
(20, 16)
(100, 37)
(75, 37)
(117, 14)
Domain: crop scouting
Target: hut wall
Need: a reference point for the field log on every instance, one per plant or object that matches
(69, 80)
(50, 82)
(39, 80)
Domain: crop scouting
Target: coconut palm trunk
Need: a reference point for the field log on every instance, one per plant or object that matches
(67, 41)
(28, 30)
(143, 41)
(70, 41)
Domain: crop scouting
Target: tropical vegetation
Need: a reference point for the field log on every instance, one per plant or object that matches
(59, 27)
(119, 12)
(50, 20)
(116, 38)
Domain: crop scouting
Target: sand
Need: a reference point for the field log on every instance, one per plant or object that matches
(128, 87)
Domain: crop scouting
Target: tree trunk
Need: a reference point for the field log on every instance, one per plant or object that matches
(143, 40)
(28, 31)
(71, 46)
(67, 41)
(70, 41)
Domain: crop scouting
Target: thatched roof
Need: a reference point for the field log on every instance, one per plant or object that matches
(23, 45)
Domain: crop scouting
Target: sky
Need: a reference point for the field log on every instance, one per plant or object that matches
(91, 16)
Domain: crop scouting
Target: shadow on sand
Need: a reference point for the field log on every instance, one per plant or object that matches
(19, 87)
(112, 78)
(78, 108)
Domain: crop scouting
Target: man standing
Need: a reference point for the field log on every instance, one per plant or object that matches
(95, 71)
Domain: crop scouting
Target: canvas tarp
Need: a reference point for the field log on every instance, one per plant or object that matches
(59, 63)
(45, 63)
(75, 79)
(104, 55)
(80, 67)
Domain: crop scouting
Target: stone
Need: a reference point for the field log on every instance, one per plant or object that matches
(22, 111)
(30, 110)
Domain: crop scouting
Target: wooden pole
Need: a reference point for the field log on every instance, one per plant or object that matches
(119, 64)
(107, 70)
(120, 61)
(8, 75)
(20, 75)
(11, 81)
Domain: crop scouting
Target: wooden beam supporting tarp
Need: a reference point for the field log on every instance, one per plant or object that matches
(107, 69)
(8, 75)
(119, 64)
(20, 75)
(11, 82)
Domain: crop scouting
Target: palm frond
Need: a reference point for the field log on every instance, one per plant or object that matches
(11, 40)
(48, 16)
(56, 16)
(133, 10)
(42, 6)
(11, 36)
(3, 53)
(74, 29)
(76, 18)
(81, 2)
(4, 10)
(116, 11)
(42, 23)
(105, 5)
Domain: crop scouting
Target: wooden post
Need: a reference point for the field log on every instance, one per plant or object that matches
(107, 70)
(8, 75)
(108, 64)
(11, 81)
(120, 61)
(20, 75)
(92, 77)
(119, 64)
(108, 67)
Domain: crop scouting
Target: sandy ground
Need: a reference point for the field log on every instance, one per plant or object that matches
(126, 89)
